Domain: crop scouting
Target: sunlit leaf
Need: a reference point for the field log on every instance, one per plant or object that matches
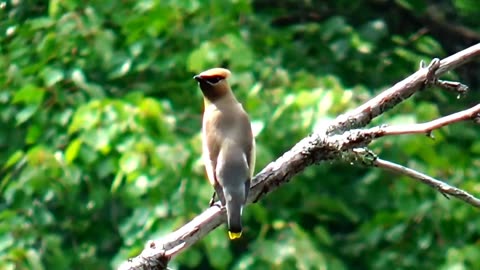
(72, 150)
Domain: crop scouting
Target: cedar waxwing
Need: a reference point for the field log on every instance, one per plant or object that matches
(228, 145)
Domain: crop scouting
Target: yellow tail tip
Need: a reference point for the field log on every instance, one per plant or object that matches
(234, 235)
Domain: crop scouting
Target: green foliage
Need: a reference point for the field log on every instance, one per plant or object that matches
(100, 146)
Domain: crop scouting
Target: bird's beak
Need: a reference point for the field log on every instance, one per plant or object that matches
(198, 78)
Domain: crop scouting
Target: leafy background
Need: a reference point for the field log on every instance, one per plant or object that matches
(100, 147)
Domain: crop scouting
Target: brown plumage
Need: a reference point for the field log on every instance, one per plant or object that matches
(228, 145)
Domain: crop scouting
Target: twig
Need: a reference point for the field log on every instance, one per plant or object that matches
(366, 135)
(362, 137)
(427, 127)
(443, 187)
(455, 87)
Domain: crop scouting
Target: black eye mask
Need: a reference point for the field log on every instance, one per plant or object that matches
(214, 80)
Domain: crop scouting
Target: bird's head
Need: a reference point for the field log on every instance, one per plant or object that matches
(213, 83)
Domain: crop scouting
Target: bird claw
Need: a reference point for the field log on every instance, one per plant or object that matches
(212, 200)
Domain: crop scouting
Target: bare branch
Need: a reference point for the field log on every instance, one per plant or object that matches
(362, 137)
(443, 187)
(313, 149)
(391, 97)
(455, 87)
(157, 253)
(365, 136)
(468, 114)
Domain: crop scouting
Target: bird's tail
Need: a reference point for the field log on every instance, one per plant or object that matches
(233, 176)
(234, 203)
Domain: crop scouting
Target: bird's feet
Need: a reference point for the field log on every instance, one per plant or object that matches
(212, 200)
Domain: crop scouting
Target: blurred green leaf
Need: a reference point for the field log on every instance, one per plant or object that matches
(429, 46)
(72, 150)
(130, 162)
(413, 5)
(52, 76)
(467, 7)
(13, 159)
(29, 95)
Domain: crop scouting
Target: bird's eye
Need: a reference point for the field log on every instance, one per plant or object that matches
(214, 80)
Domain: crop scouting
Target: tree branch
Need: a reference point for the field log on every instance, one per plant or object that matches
(315, 148)
(391, 97)
(362, 137)
(443, 187)
(469, 114)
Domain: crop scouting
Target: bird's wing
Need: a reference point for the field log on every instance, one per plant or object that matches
(210, 144)
(247, 140)
(241, 133)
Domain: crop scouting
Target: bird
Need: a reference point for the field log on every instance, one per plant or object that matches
(228, 145)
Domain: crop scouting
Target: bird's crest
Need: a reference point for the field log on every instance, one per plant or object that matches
(222, 73)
